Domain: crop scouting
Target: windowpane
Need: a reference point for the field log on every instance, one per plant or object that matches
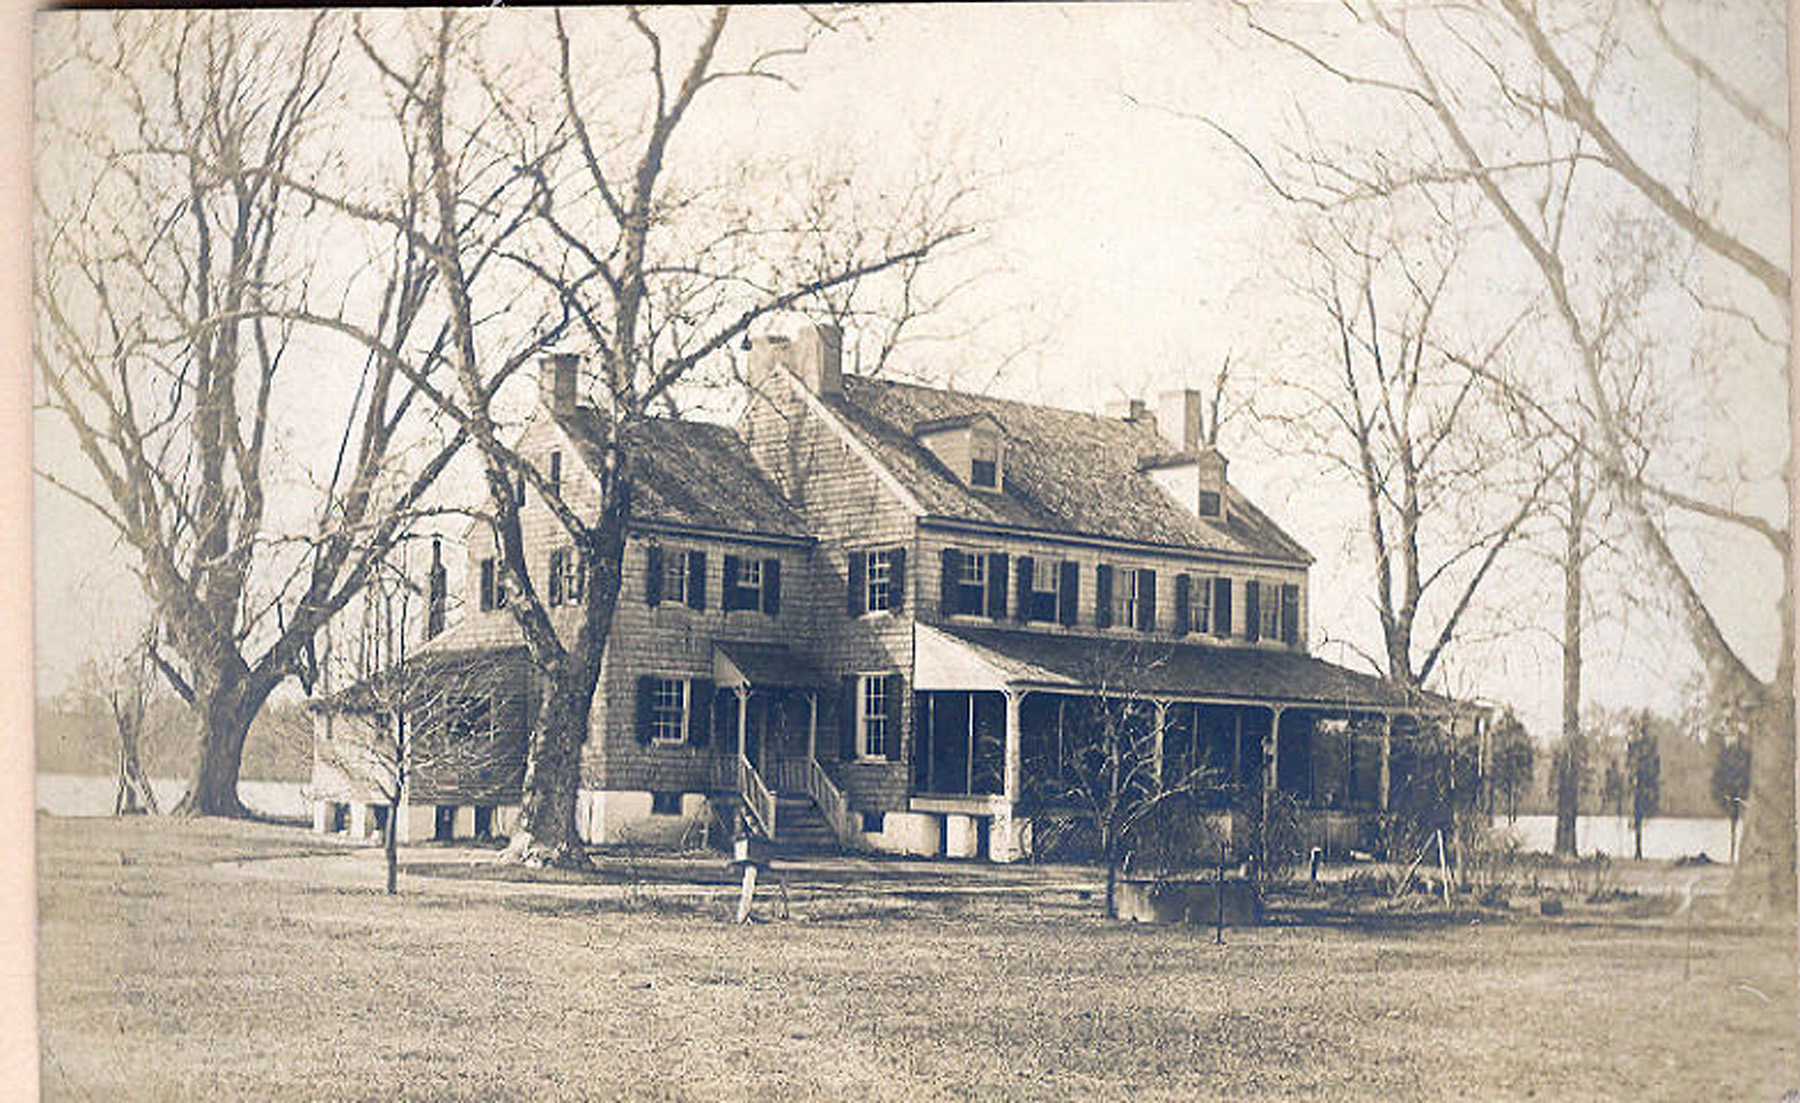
(972, 584)
(668, 711)
(879, 582)
(675, 576)
(1044, 582)
(874, 720)
(1202, 610)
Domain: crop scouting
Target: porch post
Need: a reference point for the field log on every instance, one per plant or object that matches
(1156, 747)
(1272, 767)
(1237, 745)
(1387, 749)
(812, 725)
(743, 711)
(1013, 779)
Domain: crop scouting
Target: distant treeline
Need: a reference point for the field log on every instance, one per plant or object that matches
(1685, 775)
(77, 740)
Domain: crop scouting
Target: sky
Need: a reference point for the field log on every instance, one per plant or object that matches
(1130, 249)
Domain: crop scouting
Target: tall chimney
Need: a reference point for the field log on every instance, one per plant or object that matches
(819, 358)
(436, 591)
(1179, 418)
(558, 382)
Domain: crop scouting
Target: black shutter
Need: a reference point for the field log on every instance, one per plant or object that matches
(1022, 600)
(555, 571)
(1221, 610)
(1068, 595)
(653, 569)
(947, 590)
(1146, 606)
(1103, 579)
(729, 597)
(1183, 600)
(1252, 610)
(996, 585)
(897, 580)
(646, 700)
(847, 717)
(854, 592)
(700, 695)
(696, 580)
(896, 730)
(771, 586)
(1290, 613)
(487, 585)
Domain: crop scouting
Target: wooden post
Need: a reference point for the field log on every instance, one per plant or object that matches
(1013, 770)
(1387, 750)
(1156, 739)
(1443, 866)
(1219, 900)
(748, 891)
(743, 715)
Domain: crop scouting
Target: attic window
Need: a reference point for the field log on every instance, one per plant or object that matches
(1210, 504)
(984, 459)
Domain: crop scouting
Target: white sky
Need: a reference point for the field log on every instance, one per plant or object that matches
(1138, 249)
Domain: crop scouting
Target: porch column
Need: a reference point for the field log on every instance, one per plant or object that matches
(1274, 763)
(743, 713)
(1156, 735)
(1387, 749)
(812, 725)
(1013, 780)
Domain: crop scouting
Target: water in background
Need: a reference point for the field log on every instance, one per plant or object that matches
(86, 795)
(1664, 836)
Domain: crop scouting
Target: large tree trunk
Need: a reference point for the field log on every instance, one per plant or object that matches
(225, 712)
(135, 795)
(1763, 881)
(546, 834)
(1569, 761)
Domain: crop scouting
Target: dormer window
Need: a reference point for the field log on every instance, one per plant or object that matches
(984, 459)
(971, 446)
(1211, 504)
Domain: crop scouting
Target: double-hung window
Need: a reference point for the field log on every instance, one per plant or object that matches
(971, 584)
(1046, 582)
(1269, 612)
(675, 578)
(873, 713)
(669, 711)
(878, 583)
(984, 460)
(1201, 612)
(1128, 597)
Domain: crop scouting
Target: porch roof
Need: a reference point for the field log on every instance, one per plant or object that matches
(763, 666)
(957, 657)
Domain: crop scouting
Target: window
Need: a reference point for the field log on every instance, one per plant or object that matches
(751, 584)
(665, 804)
(493, 586)
(1210, 504)
(1046, 578)
(984, 460)
(1202, 607)
(556, 472)
(872, 713)
(971, 584)
(1269, 612)
(674, 578)
(575, 576)
(668, 711)
(873, 822)
(879, 585)
(1134, 598)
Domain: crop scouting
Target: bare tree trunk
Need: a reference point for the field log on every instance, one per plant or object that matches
(547, 833)
(135, 796)
(1764, 877)
(1568, 763)
(225, 714)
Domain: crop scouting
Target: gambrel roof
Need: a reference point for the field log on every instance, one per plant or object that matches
(1067, 472)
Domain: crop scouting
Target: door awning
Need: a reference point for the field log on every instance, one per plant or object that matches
(746, 664)
(970, 658)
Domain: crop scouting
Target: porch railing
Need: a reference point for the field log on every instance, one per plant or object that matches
(788, 774)
(828, 798)
(759, 802)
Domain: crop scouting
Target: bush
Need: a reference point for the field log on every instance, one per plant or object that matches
(1179, 835)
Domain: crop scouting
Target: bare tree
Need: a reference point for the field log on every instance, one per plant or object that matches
(123, 686)
(1401, 417)
(1525, 107)
(164, 231)
(1108, 768)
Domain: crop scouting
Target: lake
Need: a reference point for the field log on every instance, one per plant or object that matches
(86, 795)
(1664, 836)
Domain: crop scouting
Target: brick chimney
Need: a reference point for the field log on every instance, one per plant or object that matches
(1180, 419)
(819, 358)
(436, 591)
(1133, 410)
(559, 375)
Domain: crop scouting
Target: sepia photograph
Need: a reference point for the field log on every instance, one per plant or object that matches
(1221, 550)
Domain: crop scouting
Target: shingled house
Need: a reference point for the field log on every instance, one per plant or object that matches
(872, 610)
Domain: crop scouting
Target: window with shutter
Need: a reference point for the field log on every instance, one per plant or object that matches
(873, 716)
(487, 585)
(1025, 569)
(996, 587)
(855, 597)
(556, 571)
(668, 711)
(1145, 579)
(1103, 596)
(1183, 600)
(971, 584)
(1270, 626)
(1290, 614)
(653, 575)
(1252, 610)
(771, 586)
(1221, 610)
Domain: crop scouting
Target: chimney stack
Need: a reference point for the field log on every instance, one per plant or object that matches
(819, 358)
(559, 374)
(436, 591)
(1180, 417)
(1133, 410)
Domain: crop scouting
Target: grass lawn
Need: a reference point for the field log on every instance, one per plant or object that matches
(224, 961)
